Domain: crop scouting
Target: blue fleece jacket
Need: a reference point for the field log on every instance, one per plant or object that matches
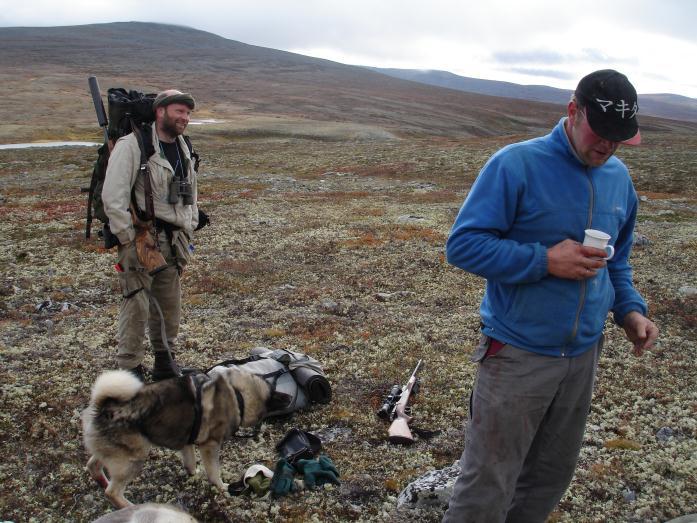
(528, 197)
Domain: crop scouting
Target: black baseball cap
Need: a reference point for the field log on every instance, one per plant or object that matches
(611, 106)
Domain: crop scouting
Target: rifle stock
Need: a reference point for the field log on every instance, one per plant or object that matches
(399, 430)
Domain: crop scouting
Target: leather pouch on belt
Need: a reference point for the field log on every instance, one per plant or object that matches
(149, 255)
(181, 241)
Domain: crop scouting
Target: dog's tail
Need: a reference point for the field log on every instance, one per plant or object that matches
(120, 385)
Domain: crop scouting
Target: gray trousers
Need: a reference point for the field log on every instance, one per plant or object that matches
(524, 433)
(137, 311)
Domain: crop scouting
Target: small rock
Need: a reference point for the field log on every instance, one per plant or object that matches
(687, 518)
(387, 296)
(43, 405)
(664, 434)
(431, 489)
(44, 305)
(644, 198)
(333, 433)
(640, 240)
(409, 218)
(330, 306)
(686, 290)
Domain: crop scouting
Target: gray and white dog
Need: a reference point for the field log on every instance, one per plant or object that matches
(126, 418)
(147, 513)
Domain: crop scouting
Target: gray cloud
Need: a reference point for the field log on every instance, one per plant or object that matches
(546, 73)
(534, 57)
(546, 57)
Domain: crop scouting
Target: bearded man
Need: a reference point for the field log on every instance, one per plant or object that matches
(174, 194)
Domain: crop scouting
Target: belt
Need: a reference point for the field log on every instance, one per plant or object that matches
(162, 225)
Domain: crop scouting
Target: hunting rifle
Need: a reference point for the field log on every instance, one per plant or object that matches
(396, 409)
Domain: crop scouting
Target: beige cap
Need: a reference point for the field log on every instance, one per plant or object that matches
(172, 96)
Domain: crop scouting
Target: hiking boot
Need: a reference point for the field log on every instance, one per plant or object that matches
(165, 367)
(138, 372)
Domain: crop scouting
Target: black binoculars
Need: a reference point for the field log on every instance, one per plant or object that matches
(180, 187)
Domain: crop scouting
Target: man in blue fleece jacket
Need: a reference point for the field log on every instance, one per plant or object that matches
(547, 298)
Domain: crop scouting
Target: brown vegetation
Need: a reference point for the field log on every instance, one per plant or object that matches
(304, 272)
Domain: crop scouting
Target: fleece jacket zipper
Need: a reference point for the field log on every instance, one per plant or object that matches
(589, 223)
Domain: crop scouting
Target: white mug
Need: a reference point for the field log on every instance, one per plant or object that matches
(599, 239)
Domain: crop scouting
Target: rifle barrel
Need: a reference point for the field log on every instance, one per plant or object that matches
(98, 105)
(413, 374)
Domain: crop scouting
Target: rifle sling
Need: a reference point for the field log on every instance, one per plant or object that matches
(145, 169)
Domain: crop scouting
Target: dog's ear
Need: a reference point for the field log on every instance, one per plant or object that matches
(278, 401)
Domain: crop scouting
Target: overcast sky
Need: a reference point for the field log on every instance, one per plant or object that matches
(550, 42)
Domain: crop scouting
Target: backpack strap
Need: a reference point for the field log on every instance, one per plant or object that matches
(98, 172)
(144, 138)
(255, 357)
(192, 153)
(232, 362)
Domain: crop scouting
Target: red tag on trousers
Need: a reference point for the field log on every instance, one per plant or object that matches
(494, 347)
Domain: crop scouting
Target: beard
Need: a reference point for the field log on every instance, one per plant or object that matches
(172, 125)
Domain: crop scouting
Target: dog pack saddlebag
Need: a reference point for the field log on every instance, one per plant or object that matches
(294, 374)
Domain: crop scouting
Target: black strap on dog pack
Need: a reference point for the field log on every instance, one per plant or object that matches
(240, 403)
(197, 383)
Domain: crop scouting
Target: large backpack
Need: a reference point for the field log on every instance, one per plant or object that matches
(293, 374)
(128, 111)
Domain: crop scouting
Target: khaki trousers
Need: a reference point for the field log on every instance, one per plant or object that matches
(524, 433)
(138, 311)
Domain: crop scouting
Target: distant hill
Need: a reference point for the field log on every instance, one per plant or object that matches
(44, 70)
(662, 105)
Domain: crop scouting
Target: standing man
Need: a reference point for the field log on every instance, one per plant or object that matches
(174, 191)
(546, 301)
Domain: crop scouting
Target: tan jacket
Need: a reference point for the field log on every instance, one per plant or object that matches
(122, 174)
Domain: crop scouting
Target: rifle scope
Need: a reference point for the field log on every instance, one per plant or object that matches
(385, 411)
